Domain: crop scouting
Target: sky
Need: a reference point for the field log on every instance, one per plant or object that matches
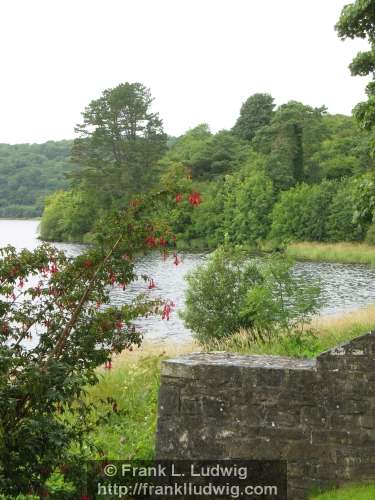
(200, 58)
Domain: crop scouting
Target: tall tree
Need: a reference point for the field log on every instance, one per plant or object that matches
(120, 140)
(255, 113)
(357, 20)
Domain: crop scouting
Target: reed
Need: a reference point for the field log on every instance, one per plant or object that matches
(346, 253)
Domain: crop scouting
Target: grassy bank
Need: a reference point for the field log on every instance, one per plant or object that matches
(328, 332)
(346, 253)
(134, 380)
(365, 492)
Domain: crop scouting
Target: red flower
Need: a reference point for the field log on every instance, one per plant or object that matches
(119, 325)
(176, 260)
(167, 309)
(162, 242)
(178, 197)
(108, 364)
(151, 241)
(87, 264)
(151, 284)
(195, 199)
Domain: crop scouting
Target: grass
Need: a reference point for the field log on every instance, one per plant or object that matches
(361, 492)
(328, 332)
(134, 384)
(346, 253)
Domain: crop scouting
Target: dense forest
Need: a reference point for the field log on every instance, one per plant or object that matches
(282, 173)
(30, 172)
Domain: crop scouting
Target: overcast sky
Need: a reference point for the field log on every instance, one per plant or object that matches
(201, 59)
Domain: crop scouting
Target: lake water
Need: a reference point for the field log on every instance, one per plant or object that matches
(346, 287)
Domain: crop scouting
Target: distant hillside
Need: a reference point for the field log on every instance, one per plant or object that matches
(29, 173)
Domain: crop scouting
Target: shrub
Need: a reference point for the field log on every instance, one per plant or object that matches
(301, 214)
(340, 225)
(370, 235)
(263, 296)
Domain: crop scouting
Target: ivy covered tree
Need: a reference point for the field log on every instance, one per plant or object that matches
(289, 142)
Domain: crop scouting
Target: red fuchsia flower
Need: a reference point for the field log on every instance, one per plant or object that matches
(176, 259)
(5, 328)
(108, 364)
(134, 203)
(151, 241)
(167, 309)
(21, 283)
(178, 197)
(119, 325)
(151, 284)
(195, 199)
(87, 264)
(53, 269)
(163, 242)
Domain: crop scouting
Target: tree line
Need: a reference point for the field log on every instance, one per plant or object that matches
(292, 172)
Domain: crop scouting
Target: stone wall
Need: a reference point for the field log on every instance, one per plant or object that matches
(319, 414)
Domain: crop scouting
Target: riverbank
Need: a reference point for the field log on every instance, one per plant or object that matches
(134, 380)
(344, 253)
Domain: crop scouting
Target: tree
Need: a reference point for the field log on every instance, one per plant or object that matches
(57, 326)
(357, 20)
(255, 113)
(289, 142)
(120, 141)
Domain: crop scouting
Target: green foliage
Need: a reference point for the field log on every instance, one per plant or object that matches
(370, 235)
(29, 173)
(340, 224)
(364, 200)
(248, 209)
(290, 141)
(206, 155)
(68, 216)
(301, 214)
(231, 292)
(255, 113)
(357, 20)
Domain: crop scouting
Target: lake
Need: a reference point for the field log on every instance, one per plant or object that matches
(346, 287)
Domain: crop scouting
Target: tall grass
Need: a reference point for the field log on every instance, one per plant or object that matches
(324, 334)
(347, 253)
(134, 384)
(364, 492)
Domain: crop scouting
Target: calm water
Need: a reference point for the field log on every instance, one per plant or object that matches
(345, 286)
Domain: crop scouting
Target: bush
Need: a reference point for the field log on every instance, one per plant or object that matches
(370, 235)
(263, 296)
(301, 214)
(340, 225)
(67, 216)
